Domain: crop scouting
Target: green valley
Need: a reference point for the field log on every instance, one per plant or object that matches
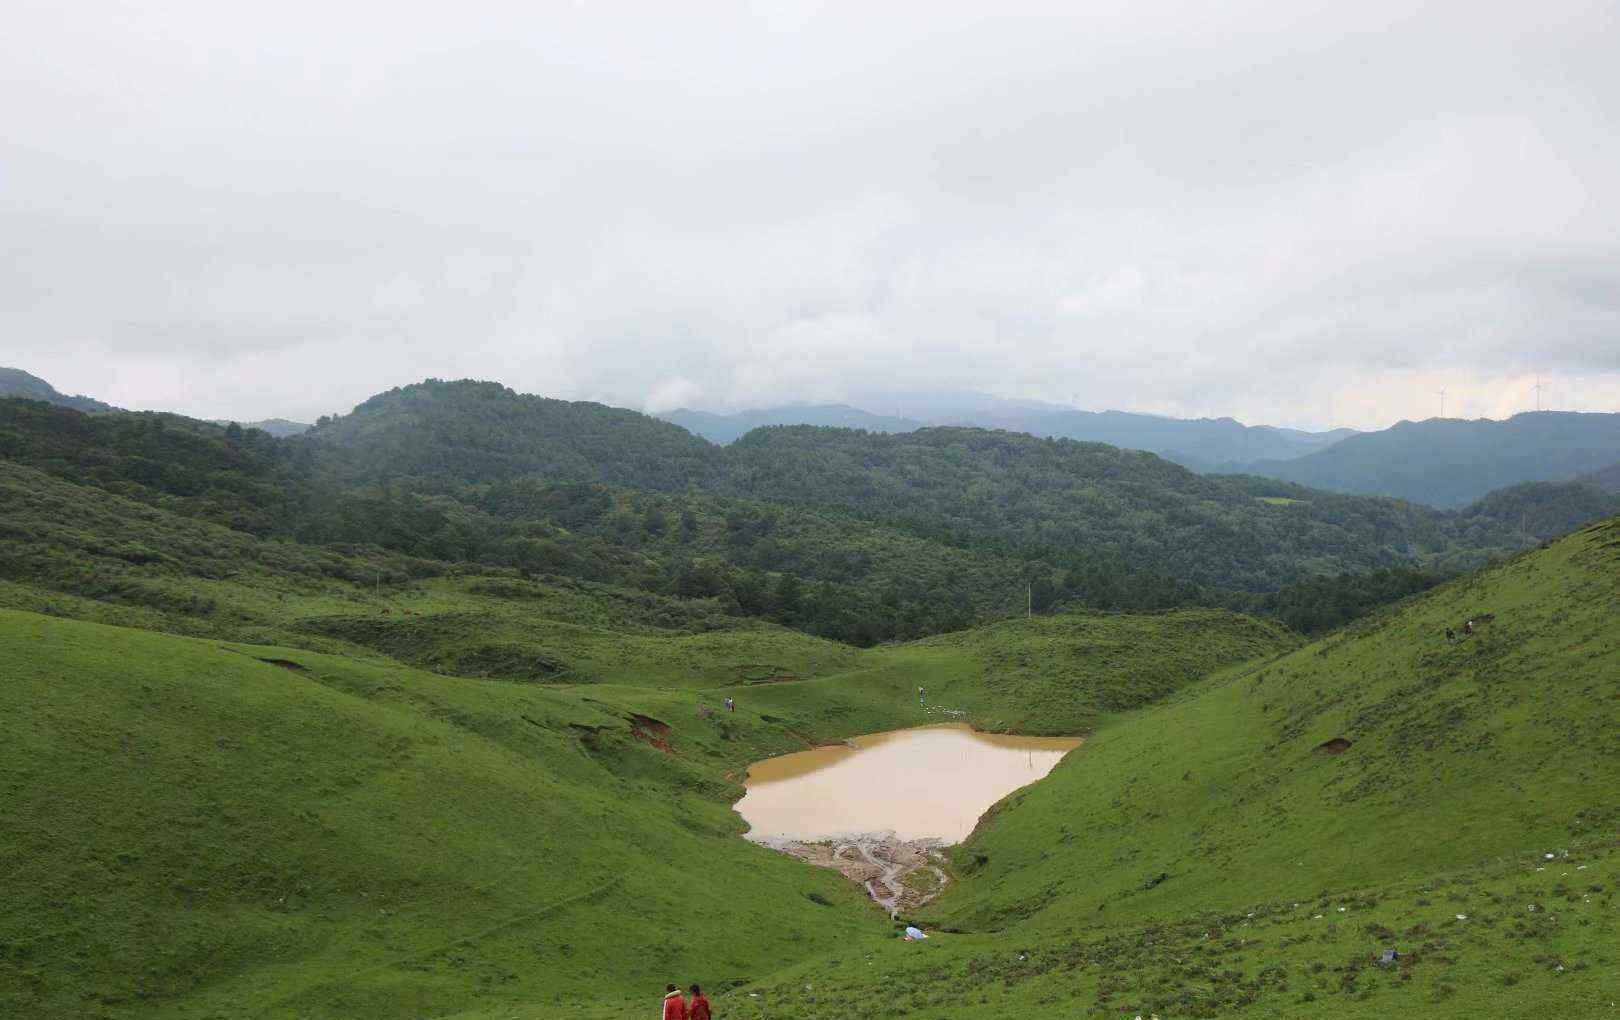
(318, 731)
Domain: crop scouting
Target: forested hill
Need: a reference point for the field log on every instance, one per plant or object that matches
(1537, 511)
(1013, 494)
(467, 432)
(14, 382)
(1448, 462)
(848, 534)
(1604, 478)
(1041, 497)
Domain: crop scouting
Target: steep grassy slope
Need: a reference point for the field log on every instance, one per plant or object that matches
(1203, 857)
(1491, 746)
(194, 830)
(1448, 462)
(214, 829)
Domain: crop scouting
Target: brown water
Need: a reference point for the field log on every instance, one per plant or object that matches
(932, 782)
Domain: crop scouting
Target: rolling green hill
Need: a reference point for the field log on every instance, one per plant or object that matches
(1252, 845)
(1448, 462)
(941, 564)
(196, 829)
(287, 746)
(209, 828)
(472, 432)
(1059, 497)
(319, 834)
(1057, 500)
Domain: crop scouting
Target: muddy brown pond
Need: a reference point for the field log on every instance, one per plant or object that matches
(879, 806)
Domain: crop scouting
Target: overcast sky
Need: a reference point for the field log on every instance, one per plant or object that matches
(1292, 212)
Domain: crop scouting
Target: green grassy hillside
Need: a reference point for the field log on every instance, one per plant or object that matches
(1207, 856)
(1494, 745)
(207, 828)
(218, 830)
(1050, 675)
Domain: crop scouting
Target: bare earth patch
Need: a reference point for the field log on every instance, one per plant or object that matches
(878, 862)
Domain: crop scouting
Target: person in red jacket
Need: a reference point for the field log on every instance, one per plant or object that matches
(674, 1005)
(699, 1008)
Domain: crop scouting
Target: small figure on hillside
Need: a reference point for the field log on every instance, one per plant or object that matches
(698, 1009)
(1451, 636)
(1468, 627)
(921, 695)
(731, 706)
(674, 1005)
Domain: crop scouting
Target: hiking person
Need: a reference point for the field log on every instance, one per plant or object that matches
(699, 1009)
(1468, 627)
(731, 706)
(674, 1005)
(1451, 636)
(920, 695)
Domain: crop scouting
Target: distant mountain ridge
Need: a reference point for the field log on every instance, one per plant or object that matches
(281, 428)
(728, 428)
(14, 382)
(1450, 462)
(1202, 444)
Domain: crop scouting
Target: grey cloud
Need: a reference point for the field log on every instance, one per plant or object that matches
(1300, 213)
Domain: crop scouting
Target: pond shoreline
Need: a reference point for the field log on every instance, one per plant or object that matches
(881, 807)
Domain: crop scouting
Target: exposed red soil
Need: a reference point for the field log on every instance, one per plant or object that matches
(647, 722)
(647, 738)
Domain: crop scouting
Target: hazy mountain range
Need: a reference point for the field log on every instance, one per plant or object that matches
(1440, 462)
(1448, 462)
(728, 428)
(1202, 444)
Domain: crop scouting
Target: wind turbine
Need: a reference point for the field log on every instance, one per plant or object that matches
(1537, 388)
(1442, 392)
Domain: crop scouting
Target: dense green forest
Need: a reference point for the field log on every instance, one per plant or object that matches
(1607, 478)
(1012, 494)
(856, 536)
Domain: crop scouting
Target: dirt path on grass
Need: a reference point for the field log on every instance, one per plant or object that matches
(878, 862)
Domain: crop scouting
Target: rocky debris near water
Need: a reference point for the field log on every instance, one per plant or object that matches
(878, 862)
